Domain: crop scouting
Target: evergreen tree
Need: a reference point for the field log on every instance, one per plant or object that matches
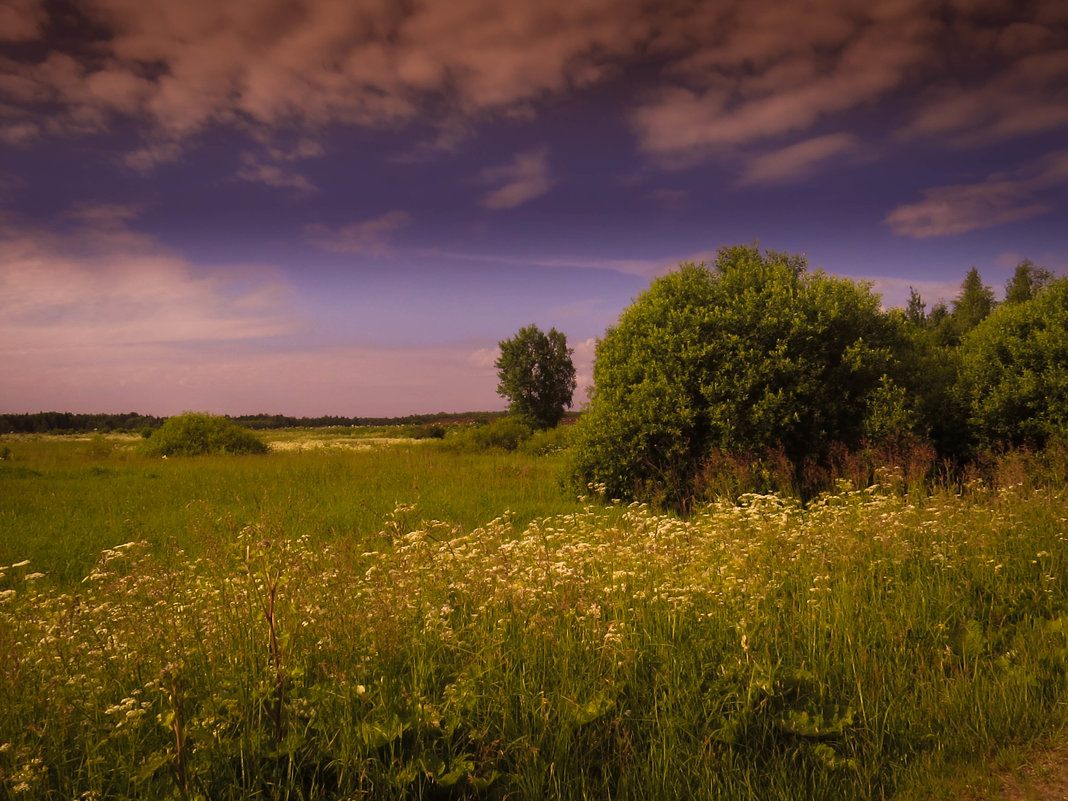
(973, 304)
(916, 311)
(1026, 281)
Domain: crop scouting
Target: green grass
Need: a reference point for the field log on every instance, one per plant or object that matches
(853, 648)
(63, 500)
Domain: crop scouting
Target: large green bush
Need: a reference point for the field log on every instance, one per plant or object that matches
(1014, 370)
(753, 355)
(193, 434)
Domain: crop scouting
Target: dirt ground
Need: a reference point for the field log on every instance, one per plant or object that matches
(1041, 775)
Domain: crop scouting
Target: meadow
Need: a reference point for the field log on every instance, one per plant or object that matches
(357, 618)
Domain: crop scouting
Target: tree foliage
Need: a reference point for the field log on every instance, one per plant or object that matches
(1027, 279)
(194, 434)
(753, 354)
(916, 311)
(1014, 370)
(536, 375)
(974, 303)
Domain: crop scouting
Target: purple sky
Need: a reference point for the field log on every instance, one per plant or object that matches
(332, 207)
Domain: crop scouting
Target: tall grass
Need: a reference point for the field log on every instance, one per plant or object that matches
(840, 650)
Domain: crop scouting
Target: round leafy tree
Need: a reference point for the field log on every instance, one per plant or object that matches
(537, 376)
(193, 434)
(1014, 370)
(753, 354)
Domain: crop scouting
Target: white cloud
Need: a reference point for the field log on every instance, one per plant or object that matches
(646, 268)
(583, 358)
(369, 236)
(948, 210)
(1000, 199)
(106, 319)
(255, 171)
(153, 154)
(895, 291)
(19, 133)
(798, 160)
(526, 178)
(104, 215)
(94, 294)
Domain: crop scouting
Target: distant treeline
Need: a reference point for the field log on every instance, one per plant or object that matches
(70, 423)
(267, 421)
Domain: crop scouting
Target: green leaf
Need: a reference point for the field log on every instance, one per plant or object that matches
(151, 766)
(592, 710)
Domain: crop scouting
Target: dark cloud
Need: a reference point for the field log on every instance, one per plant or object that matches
(734, 76)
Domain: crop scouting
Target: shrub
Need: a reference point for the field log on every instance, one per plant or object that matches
(1014, 371)
(434, 431)
(549, 441)
(755, 355)
(193, 434)
(504, 434)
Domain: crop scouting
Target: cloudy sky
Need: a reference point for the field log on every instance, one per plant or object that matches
(341, 206)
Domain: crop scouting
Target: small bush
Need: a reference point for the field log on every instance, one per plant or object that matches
(544, 443)
(434, 431)
(505, 434)
(194, 434)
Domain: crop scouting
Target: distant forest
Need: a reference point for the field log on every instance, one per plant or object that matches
(132, 422)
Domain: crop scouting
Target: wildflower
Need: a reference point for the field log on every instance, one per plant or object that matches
(34, 576)
(23, 563)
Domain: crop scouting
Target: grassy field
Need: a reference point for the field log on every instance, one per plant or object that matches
(289, 626)
(64, 499)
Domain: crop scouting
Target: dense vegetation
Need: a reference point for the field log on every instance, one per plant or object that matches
(755, 372)
(68, 422)
(1014, 370)
(282, 628)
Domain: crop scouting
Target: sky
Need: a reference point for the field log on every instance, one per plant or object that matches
(341, 207)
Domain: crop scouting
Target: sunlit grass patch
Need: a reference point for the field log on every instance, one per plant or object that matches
(61, 503)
